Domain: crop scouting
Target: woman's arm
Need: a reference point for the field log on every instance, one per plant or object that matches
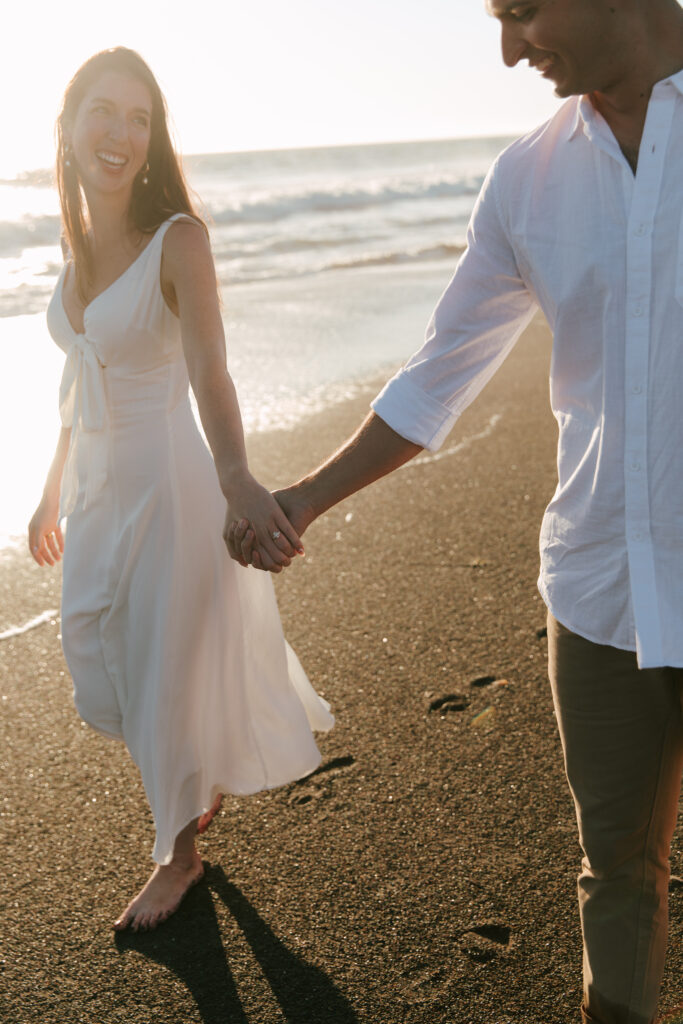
(45, 540)
(372, 452)
(189, 284)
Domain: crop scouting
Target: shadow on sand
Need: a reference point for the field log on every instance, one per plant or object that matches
(191, 947)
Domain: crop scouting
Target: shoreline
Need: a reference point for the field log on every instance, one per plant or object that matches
(425, 874)
(297, 348)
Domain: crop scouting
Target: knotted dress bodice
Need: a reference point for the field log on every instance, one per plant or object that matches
(126, 365)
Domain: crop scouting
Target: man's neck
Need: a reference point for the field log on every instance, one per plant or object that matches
(657, 54)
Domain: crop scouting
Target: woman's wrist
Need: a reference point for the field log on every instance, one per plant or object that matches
(234, 480)
(51, 493)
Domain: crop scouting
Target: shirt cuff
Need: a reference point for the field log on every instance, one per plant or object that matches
(413, 413)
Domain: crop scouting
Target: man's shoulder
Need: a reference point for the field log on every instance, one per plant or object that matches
(554, 132)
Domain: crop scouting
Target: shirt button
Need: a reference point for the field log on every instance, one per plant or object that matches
(635, 466)
(637, 535)
(636, 389)
(641, 229)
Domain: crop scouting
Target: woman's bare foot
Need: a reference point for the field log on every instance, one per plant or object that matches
(205, 820)
(162, 894)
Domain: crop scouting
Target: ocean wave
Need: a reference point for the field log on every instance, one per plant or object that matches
(433, 252)
(234, 273)
(25, 299)
(42, 178)
(279, 206)
(28, 233)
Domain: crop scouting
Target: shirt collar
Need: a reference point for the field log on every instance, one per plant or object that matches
(586, 118)
(583, 116)
(676, 80)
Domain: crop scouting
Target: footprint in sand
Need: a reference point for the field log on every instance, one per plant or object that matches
(334, 765)
(305, 795)
(306, 792)
(447, 703)
(485, 941)
(482, 681)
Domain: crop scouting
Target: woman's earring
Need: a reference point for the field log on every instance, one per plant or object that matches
(145, 173)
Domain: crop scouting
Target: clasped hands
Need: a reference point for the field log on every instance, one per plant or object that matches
(267, 537)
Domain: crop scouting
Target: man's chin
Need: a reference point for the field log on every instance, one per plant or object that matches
(564, 89)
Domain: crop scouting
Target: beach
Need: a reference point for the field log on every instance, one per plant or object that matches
(425, 873)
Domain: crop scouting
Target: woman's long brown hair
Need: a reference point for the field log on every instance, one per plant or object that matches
(166, 191)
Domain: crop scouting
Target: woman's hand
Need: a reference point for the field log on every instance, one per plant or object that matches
(45, 539)
(240, 536)
(272, 542)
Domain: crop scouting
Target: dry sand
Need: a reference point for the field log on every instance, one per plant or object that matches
(426, 873)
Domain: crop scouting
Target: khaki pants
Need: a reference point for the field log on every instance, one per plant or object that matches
(622, 734)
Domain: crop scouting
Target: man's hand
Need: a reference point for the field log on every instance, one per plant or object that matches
(241, 538)
(372, 452)
(254, 510)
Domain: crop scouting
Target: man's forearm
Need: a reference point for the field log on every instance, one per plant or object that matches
(373, 451)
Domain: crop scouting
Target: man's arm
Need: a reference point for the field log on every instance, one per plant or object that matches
(474, 326)
(372, 452)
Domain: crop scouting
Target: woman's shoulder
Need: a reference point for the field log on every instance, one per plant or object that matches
(187, 261)
(184, 235)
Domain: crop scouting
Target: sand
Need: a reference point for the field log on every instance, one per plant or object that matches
(426, 873)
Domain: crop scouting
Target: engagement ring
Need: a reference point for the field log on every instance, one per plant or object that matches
(275, 534)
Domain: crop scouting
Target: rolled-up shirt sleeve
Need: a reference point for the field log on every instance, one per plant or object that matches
(477, 320)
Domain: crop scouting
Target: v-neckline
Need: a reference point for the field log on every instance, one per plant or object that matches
(80, 334)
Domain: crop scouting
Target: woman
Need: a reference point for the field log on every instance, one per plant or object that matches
(172, 648)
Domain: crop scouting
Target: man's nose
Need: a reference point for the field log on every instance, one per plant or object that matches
(512, 44)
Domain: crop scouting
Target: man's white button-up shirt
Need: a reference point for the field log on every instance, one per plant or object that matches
(562, 223)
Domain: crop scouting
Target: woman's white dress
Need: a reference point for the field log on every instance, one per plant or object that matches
(172, 646)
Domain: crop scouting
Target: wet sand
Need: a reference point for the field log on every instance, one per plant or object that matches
(426, 873)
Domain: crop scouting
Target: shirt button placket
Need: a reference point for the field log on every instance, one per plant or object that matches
(637, 345)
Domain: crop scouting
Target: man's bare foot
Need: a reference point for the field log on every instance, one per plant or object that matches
(162, 894)
(205, 820)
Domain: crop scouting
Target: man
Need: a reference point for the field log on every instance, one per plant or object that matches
(584, 218)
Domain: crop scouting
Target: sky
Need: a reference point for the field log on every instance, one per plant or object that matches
(267, 74)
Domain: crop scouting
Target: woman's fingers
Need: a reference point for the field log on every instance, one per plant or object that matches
(54, 546)
(42, 554)
(45, 538)
(282, 541)
(271, 555)
(271, 551)
(286, 537)
(35, 553)
(39, 551)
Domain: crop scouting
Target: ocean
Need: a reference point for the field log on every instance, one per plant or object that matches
(329, 260)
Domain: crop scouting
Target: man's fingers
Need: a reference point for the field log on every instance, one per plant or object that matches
(246, 542)
(233, 550)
